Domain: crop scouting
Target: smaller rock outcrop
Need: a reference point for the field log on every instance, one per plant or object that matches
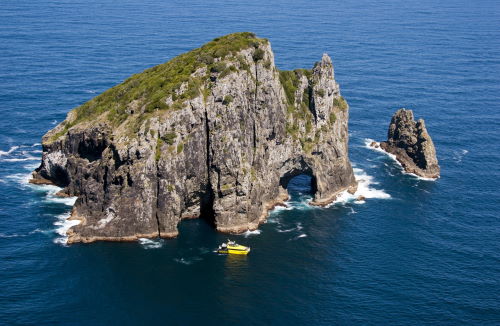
(410, 142)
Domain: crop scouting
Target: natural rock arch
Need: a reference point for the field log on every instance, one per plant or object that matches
(220, 144)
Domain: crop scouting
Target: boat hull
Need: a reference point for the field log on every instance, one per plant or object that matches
(234, 251)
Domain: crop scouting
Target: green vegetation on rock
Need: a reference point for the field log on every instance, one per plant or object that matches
(258, 55)
(340, 102)
(333, 118)
(149, 90)
(169, 138)
(227, 100)
(159, 144)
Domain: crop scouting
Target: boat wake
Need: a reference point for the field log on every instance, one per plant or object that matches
(187, 261)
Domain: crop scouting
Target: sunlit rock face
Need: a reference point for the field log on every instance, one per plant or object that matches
(215, 133)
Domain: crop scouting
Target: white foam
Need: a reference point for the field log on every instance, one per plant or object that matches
(280, 208)
(16, 235)
(50, 190)
(303, 235)
(13, 235)
(459, 155)
(183, 261)
(28, 158)
(379, 149)
(273, 220)
(12, 149)
(286, 230)
(369, 141)
(249, 233)
(151, 243)
(297, 227)
(31, 167)
(365, 189)
(63, 224)
(20, 178)
(17, 159)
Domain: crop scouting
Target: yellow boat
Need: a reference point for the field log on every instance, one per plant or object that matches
(233, 248)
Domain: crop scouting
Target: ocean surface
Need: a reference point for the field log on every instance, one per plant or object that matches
(415, 252)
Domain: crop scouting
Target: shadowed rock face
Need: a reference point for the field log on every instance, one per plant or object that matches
(221, 146)
(412, 145)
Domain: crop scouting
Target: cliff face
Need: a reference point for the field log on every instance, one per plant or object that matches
(412, 145)
(215, 133)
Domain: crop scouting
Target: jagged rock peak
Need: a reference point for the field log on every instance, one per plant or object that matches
(412, 145)
(215, 133)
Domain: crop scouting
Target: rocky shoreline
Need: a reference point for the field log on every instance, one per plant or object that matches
(411, 145)
(216, 133)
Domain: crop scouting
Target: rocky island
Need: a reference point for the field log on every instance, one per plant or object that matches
(411, 144)
(215, 133)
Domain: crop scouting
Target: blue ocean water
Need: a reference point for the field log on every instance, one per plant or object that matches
(414, 253)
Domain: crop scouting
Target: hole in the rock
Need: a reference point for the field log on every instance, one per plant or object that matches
(302, 184)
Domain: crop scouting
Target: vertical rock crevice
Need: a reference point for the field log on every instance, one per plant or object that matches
(224, 149)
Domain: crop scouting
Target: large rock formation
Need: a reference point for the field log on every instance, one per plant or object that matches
(410, 142)
(216, 133)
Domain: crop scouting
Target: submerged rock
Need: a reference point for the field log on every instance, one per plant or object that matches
(410, 142)
(215, 133)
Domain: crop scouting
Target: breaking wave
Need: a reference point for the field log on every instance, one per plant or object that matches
(12, 149)
(302, 235)
(17, 235)
(368, 141)
(63, 224)
(151, 243)
(21, 159)
(365, 190)
(298, 227)
(50, 191)
(249, 233)
(16, 155)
